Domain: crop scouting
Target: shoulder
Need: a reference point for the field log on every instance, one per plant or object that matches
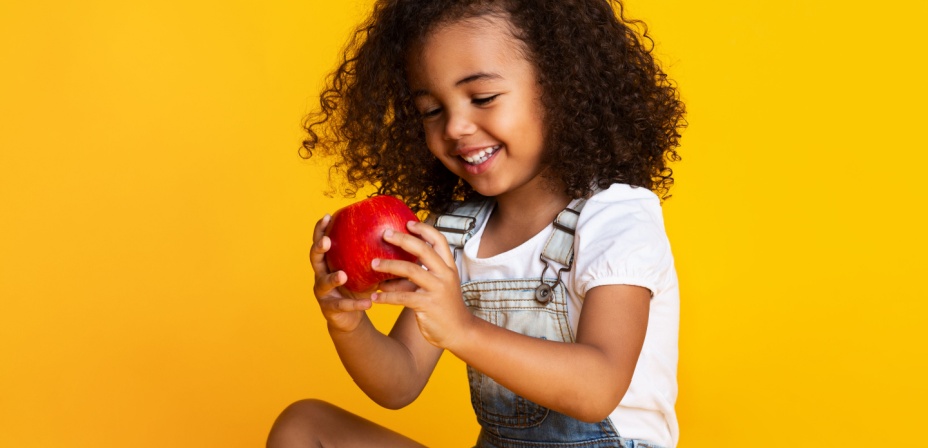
(621, 239)
(622, 206)
(625, 194)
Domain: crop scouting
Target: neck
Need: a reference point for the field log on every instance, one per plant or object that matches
(519, 215)
(530, 208)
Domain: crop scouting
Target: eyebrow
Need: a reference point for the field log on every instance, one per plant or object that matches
(479, 76)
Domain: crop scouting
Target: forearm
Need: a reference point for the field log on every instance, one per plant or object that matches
(576, 379)
(586, 379)
(381, 366)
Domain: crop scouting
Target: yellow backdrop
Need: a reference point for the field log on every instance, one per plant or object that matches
(155, 220)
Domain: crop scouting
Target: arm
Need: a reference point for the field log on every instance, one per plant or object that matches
(585, 380)
(392, 370)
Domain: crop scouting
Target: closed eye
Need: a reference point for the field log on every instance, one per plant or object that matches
(430, 113)
(483, 101)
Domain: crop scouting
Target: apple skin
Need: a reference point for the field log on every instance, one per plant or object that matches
(356, 232)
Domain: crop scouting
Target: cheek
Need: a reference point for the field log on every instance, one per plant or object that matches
(432, 148)
(436, 149)
(536, 123)
(434, 140)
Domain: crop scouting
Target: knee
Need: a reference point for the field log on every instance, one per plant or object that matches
(308, 410)
(300, 424)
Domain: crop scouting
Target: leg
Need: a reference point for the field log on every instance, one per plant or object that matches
(315, 423)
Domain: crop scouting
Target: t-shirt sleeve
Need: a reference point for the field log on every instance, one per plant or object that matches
(621, 241)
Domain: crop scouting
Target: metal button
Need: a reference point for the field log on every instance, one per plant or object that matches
(543, 294)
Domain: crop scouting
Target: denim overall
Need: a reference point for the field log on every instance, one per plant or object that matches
(535, 307)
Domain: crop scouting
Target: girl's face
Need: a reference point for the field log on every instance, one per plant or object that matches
(479, 101)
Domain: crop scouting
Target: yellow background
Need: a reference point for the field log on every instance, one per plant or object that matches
(155, 220)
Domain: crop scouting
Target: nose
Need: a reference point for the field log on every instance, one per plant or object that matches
(459, 125)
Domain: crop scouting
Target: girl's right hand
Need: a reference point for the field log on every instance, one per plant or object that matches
(342, 309)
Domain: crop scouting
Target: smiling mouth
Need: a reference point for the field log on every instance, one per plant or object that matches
(476, 158)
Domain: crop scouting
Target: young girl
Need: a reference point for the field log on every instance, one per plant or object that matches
(537, 135)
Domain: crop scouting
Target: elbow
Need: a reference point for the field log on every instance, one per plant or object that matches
(594, 415)
(600, 405)
(393, 405)
(395, 400)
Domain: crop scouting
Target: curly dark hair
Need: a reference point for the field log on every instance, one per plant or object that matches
(612, 115)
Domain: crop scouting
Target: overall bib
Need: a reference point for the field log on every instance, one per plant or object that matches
(535, 307)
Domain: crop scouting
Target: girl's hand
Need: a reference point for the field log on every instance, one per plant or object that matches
(342, 309)
(436, 298)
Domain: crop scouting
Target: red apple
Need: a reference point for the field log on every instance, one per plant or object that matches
(356, 232)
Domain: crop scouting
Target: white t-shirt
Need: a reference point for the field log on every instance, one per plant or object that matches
(620, 239)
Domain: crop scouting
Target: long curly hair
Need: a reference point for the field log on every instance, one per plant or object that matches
(611, 113)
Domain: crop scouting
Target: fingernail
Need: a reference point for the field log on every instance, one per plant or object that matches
(388, 233)
(375, 262)
(374, 297)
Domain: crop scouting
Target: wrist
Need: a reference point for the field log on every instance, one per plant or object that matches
(466, 336)
(338, 330)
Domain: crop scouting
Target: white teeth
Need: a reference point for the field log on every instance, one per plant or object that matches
(480, 156)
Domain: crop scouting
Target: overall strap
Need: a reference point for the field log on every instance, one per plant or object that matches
(560, 245)
(460, 224)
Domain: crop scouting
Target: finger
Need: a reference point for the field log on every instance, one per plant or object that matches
(345, 305)
(320, 226)
(325, 283)
(434, 238)
(418, 247)
(399, 284)
(321, 244)
(404, 298)
(317, 253)
(410, 271)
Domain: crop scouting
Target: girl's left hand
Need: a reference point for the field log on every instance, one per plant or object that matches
(436, 300)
